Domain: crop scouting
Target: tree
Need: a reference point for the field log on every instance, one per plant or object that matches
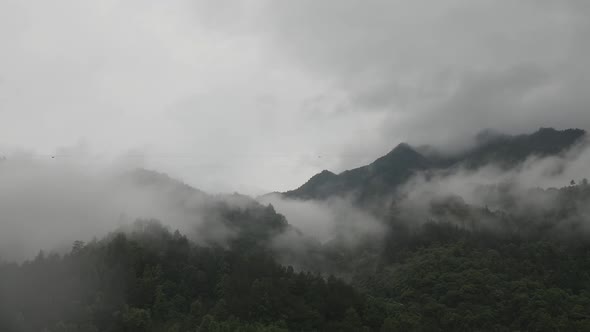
(206, 323)
(352, 321)
(135, 319)
(77, 246)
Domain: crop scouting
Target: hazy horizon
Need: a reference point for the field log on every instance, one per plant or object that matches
(257, 96)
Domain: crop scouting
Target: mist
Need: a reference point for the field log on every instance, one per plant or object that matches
(335, 220)
(535, 172)
(47, 204)
(139, 142)
(485, 196)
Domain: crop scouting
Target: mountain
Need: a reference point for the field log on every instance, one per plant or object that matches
(228, 219)
(387, 173)
(515, 259)
(508, 151)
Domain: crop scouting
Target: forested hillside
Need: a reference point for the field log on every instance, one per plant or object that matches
(439, 275)
(294, 165)
(150, 279)
(440, 257)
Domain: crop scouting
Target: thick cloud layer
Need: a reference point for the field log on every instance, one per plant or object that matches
(335, 220)
(257, 96)
(47, 205)
(443, 71)
(529, 189)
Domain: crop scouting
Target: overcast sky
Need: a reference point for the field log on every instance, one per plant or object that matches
(257, 96)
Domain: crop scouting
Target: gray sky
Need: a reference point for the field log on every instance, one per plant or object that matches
(257, 96)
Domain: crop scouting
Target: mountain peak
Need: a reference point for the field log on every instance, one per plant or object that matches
(321, 176)
(317, 185)
(507, 151)
(325, 173)
(401, 148)
(402, 154)
(548, 131)
(488, 135)
(390, 171)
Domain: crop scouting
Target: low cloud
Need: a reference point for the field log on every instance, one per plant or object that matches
(528, 190)
(47, 204)
(333, 221)
(441, 72)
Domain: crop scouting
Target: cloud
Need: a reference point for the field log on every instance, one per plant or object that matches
(185, 83)
(334, 221)
(494, 187)
(48, 203)
(257, 96)
(444, 71)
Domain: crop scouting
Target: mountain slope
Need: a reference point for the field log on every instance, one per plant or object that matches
(376, 178)
(507, 151)
(211, 219)
(385, 174)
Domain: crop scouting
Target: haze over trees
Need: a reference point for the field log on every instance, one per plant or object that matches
(397, 245)
(296, 165)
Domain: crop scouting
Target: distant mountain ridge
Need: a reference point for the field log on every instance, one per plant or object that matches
(393, 169)
(215, 219)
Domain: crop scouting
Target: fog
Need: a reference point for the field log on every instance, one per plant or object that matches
(47, 204)
(257, 96)
(334, 220)
(114, 112)
(535, 172)
(528, 191)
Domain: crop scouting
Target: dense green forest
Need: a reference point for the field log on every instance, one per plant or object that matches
(294, 165)
(436, 276)
(151, 279)
(508, 258)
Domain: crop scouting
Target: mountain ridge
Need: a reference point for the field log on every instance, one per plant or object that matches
(388, 172)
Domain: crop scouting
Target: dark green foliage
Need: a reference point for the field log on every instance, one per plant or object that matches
(149, 279)
(522, 266)
(522, 269)
(439, 276)
(464, 286)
